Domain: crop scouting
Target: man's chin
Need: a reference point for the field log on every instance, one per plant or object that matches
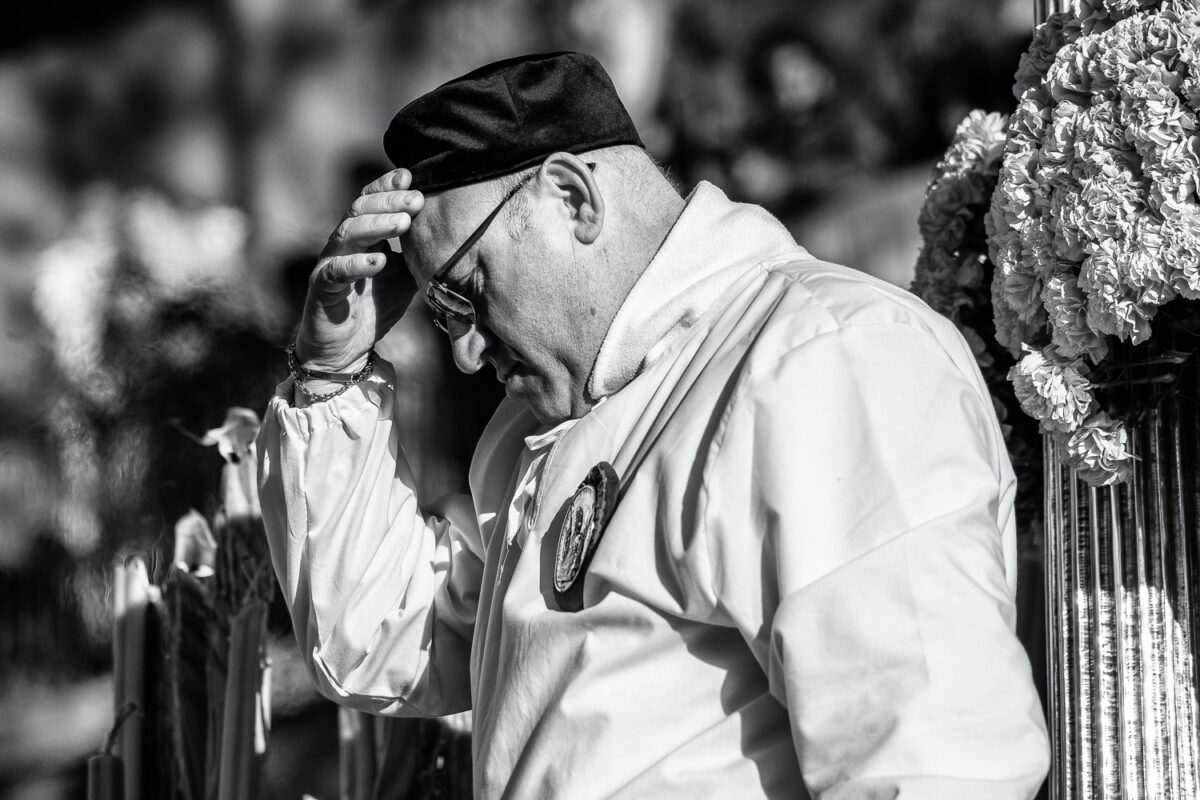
(548, 417)
(547, 411)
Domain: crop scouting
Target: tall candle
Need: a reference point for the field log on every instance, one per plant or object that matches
(105, 777)
(243, 730)
(131, 595)
(357, 754)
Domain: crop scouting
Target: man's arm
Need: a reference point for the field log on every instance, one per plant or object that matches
(382, 595)
(855, 515)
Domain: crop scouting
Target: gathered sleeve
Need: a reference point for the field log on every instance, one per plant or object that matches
(856, 524)
(382, 592)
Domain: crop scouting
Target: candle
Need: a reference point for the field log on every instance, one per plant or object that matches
(131, 595)
(243, 730)
(105, 777)
(356, 745)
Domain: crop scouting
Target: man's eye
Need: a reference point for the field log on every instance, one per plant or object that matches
(476, 283)
(469, 284)
(459, 283)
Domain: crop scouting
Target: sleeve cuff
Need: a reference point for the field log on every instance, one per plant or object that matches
(364, 403)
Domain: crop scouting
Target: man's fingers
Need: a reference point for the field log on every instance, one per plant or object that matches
(355, 233)
(387, 203)
(342, 270)
(397, 179)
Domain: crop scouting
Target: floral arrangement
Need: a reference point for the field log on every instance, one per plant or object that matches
(954, 274)
(1095, 223)
(949, 275)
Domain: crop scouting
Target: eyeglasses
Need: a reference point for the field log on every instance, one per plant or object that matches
(448, 306)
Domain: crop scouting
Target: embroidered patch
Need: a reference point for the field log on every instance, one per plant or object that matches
(582, 526)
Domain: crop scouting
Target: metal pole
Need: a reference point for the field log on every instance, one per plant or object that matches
(1041, 11)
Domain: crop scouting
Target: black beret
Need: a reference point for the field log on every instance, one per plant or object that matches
(505, 117)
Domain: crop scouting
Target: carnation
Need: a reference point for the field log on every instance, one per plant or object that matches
(1067, 307)
(1058, 395)
(1112, 306)
(1036, 61)
(1010, 330)
(1099, 450)
(1181, 246)
(1096, 16)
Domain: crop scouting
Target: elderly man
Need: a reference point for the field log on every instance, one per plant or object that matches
(742, 527)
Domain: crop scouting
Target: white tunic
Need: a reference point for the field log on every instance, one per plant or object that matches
(806, 589)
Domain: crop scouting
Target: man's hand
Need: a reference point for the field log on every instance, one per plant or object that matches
(360, 288)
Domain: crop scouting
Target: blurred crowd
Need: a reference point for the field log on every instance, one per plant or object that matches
(171, 169)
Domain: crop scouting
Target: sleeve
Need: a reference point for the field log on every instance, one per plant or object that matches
(382, 596)
(858, 518)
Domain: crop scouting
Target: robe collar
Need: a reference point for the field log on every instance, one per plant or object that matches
(713, 243)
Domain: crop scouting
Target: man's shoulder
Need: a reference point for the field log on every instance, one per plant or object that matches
(812, 298)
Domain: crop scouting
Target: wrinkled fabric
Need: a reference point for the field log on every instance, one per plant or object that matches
(806, 589)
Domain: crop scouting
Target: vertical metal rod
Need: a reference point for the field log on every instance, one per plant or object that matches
(1148, 494)
(1127, 619)
(1041, 10)
(1055, 631)
(1137, 495)
(1069, 636)
(1107, 699)
(1160, 438)
(1082, 607)
(1183, 433)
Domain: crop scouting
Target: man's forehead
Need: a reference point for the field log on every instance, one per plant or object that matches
(438, 227)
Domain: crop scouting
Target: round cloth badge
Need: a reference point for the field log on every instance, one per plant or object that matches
(582, 526)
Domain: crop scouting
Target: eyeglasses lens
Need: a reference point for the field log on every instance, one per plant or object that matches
(449, 306)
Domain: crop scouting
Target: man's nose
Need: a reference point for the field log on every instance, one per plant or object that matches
(468, 346)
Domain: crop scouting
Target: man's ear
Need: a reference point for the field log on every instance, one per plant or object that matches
(569, 179)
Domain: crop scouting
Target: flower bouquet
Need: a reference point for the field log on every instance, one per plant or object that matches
(1094, 226)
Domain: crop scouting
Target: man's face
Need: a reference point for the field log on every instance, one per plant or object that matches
(526, 301)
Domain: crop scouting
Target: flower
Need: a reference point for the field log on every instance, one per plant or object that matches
(1022, 293)
(1036, 61)
(1097, 16)
(1181, 247)
(1058, 395)
(980, 138)
(1112, 307)
(235, 438)
(1068, 319)
(1011, 331)
(1099, 450)
(1100, 129)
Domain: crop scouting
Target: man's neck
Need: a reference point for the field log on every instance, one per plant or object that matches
(633, 254)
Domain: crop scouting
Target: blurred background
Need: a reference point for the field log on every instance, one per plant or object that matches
(168, 171)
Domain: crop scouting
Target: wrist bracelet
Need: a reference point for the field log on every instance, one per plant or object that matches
(349, 378)
(314, 397)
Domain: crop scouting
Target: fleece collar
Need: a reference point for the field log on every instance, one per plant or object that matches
(712, 244)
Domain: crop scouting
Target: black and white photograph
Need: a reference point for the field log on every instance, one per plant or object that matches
(588, 399)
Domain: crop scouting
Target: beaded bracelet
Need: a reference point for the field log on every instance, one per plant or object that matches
(348, 379)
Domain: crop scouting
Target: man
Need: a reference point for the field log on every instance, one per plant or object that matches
(742, 527)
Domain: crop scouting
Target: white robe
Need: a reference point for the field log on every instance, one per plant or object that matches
(806, 589)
